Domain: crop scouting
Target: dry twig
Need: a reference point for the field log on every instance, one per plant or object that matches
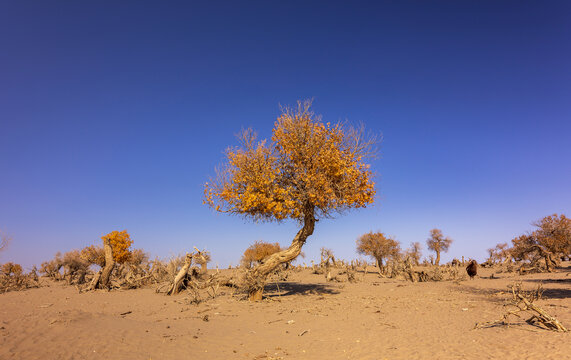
(523, 302)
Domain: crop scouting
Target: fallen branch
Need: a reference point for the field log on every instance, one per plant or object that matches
(523, 302)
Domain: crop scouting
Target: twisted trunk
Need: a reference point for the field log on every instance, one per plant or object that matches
(258, 275)
(102, 279)
(380, 265)
(109, 264)
(550, 262)
(437, 261)
(179, 278)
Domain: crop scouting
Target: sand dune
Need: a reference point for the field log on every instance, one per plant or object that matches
(307, 318)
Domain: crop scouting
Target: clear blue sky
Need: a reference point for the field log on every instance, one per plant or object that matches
(114, 114)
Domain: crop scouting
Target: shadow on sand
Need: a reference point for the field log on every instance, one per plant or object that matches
(550, 292)
(294, 288)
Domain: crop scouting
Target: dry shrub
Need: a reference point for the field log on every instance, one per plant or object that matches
(257, 252)
(326, 257)
(13, 278)
(414, 252)
(380, 247)
(159, 271)
(181, 275)
(94, 255)
(523, 302)
(499, 254)
(51, 268)
(74, 264)
(139, 258)
(173, 265)
(75, 267)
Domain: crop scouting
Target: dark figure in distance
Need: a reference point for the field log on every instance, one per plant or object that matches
(472, 269)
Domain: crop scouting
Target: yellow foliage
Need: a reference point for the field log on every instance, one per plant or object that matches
(120, 243)
(308, 168)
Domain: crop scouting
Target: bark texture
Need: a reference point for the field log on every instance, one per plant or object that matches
(178, 282)
(109, 265)
(437, 261)
(102, 279)
(259, 273)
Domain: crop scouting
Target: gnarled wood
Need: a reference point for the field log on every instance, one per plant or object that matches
(550, 262)
(109, 265)
(202, 260)
(101, 280)
(179, 278)
(258, 275)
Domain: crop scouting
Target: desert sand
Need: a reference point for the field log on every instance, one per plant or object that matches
(306, 318)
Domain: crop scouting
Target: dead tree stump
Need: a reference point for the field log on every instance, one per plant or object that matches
(178, 282)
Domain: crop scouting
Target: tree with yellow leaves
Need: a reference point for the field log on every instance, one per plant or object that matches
(115, 250)
(308, 171)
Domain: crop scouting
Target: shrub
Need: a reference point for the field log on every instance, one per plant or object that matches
(13, 278)
(257, 252)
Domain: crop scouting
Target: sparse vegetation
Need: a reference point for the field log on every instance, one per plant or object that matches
(13, 278)
(524, 302)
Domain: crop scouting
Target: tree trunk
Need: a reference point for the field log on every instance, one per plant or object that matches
(109, 265)
(258, 275)
(179, 278)
(550, 263)
(437, 261)
(380, 265)
(101, 280)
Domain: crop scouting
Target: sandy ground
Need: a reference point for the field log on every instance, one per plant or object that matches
(307, 318)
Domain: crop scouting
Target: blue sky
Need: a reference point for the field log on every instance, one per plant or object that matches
(112, 116)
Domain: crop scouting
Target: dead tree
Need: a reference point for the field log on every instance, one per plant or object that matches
(523, 302)
(102, 280)
(180, 278)
(202, 258)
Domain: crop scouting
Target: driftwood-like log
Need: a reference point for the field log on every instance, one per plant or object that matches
(202, 260)
(178, 282)
(524, 302)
